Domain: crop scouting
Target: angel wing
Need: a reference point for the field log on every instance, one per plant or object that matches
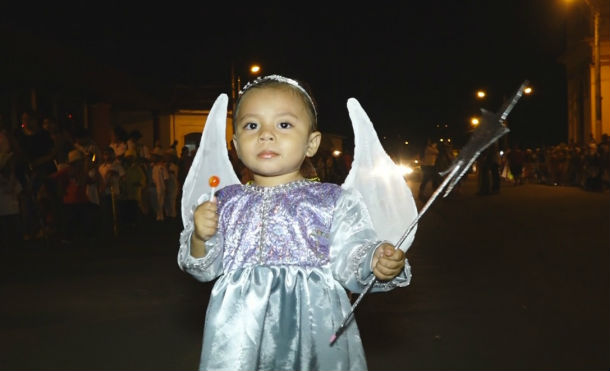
(212, 158)
(386, 194)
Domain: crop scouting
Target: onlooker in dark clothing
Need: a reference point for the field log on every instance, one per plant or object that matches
(593, 172)
(34, 165)
(516, 159)
(442, 163)
(489, 170)
(11, 226)
(77, 211)
(132, 183)
(118, 141)
(427, 167)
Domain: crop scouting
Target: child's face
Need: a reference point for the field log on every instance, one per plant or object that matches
(273, 135)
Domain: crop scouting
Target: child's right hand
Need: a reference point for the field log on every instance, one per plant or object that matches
(206, 220)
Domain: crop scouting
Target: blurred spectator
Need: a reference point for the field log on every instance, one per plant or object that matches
(171, 193)
(308, 170)
(118, 141)
(489, 170)
(33, 166)
(185, 161)
(134, 144)
(131, 191)
(159, 181)
(442, 163)
(77, 212)
(529, 165)
(111, 170)
(319, 163)
(427, 168)
(62, 140)
(592, 169)
(84, 143)
(516, 159)
(11, 226)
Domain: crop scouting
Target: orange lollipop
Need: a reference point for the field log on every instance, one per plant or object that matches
(214, 182)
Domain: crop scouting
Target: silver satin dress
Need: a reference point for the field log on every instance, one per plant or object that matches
(283, 258)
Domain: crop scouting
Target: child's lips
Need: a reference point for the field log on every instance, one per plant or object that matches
(267, 154)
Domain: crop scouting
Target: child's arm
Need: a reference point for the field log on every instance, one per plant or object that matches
(201, 247)
(355, 250)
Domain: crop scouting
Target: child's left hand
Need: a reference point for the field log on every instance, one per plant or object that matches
(387, 262)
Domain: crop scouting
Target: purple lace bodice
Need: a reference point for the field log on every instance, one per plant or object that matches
(282, 225)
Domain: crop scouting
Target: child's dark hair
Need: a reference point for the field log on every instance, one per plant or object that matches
(281, 81)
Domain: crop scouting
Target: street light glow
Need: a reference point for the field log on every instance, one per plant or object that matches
(481, 94)
(255, 68)
(528, 90)
(474, 121)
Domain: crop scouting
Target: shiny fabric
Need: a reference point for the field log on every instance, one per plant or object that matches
(282, 259)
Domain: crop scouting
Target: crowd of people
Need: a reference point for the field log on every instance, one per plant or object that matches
(58, 185)
(586, 166)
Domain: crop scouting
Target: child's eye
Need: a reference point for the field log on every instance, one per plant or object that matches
(250, 126)
(284, 125)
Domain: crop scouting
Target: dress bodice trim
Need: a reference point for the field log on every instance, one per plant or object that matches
(281, 188)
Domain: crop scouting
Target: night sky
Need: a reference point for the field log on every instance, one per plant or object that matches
(412, 66)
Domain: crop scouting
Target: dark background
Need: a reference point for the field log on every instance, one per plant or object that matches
(412, 66)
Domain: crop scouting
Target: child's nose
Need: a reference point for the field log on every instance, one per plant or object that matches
(266, 135)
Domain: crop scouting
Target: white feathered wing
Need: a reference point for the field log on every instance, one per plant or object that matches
(212, 158)
(386, 194)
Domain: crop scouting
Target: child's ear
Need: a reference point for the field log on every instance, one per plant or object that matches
(234, 140)
(313, 144)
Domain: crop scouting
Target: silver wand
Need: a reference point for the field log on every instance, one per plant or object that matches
(491, 128)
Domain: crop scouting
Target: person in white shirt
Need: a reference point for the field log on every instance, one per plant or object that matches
(160, 177)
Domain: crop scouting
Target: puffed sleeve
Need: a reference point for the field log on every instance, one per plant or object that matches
(210, 266)
(353, 242)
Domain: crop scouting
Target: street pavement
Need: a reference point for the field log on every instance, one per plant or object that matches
(514, 281)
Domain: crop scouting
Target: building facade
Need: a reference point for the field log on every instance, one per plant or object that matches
(587, 63)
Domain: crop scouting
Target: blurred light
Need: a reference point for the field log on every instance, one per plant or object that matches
(441, 139)
(405, 169)
(449, 140)
(501, 153)
(69, 115)
(474, 121)
(416, 161)
(406, 142)
(481, 94)
(255, 68)
(528, 90)
(336, 153)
